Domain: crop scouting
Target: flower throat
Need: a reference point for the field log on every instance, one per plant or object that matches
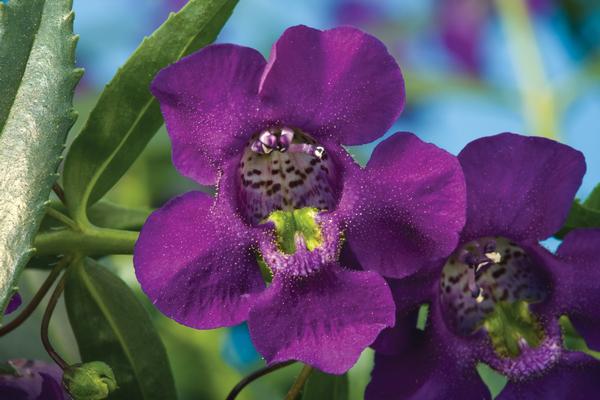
(284, 169)
(488, 284)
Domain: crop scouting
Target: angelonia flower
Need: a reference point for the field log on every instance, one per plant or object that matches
(266, 248)
(31, 380)
(13, 304)
(498, 297)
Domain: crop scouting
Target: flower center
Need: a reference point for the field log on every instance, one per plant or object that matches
(284, 169)
(482, 274)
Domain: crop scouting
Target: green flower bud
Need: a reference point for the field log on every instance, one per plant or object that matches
(90, 381)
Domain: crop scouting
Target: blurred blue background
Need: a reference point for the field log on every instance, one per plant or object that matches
(472, 68)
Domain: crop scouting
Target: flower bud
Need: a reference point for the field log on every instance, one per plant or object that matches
(90, 381)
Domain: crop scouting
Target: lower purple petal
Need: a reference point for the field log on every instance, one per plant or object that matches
(578, 380)
(424, 371)
(325, 319)
(579, 282)
(194, 261)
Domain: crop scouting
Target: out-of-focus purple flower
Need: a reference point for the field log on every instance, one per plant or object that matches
(498, 297)
(269, 133)
(176, 5)
(14, 303)
(32, 380)
(461, 28)
(357, 13)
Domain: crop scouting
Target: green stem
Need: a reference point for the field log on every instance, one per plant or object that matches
(537, 95)
(90, 242)
(254, 376)
(299, 383)
(46, 323)
(60, 217)
(27, 311)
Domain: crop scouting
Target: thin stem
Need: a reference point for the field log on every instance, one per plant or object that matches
(91, 242)
(254, 376)
(299, 383)
(46, 323)
(60, 193)
(537, 95)
(57, 215)
(37, 298)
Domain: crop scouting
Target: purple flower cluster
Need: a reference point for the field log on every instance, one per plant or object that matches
(322, 256)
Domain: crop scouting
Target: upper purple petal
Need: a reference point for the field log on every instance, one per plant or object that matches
(339, 83)
(407, 207)
(519, 187)
(210, 104)
(193, 260)
(324, 319)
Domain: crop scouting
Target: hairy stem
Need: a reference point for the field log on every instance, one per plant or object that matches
(37, 298)
(254, 376)
(91, 242)
(46, 323)
(299, 383)
(60, 217)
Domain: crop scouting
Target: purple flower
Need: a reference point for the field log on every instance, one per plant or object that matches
(498, 297)
(269, 134)
(32, 380)
(13, 304)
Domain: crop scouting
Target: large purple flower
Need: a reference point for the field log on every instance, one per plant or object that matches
(32, 380)
(288, 195)
(497, 299)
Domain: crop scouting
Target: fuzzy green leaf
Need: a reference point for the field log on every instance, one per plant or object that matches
(112, 326)
(324, 386)
(37, 80)
(127, 116)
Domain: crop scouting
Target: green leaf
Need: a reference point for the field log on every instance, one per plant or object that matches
(324, 386)
(494, 380)
(126, 115)
(112, 326)
(583, 215)
(37, 79)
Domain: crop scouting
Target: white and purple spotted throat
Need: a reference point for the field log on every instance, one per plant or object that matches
(284, 169)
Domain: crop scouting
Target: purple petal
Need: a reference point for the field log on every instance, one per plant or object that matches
(569, 380)
(407, 208)
(409, 294)
(35, 380)
(339, 83)
(519, 187)
(210, 104)
(193, 260)
(426, 369)
(322, 319)
(581, 250)
(13, 304)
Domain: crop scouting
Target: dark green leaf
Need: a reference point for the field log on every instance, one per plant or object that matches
(126, 115)
(324, 386)
(112, 326)
(37, 80)
(583, 215)
(593, 200)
